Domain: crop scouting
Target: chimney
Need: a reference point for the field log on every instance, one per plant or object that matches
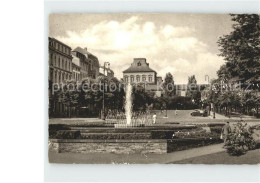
(86, 48)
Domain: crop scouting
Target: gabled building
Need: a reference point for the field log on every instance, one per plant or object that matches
(140, 72)
(89, 64)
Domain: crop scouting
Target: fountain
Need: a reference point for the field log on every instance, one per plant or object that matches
(128, 104)
(130, 120)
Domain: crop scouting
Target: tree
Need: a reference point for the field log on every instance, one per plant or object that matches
(168, 85)
(241, 49)
(192, 90)
(69, 96)
(141, 98)
(192, 80)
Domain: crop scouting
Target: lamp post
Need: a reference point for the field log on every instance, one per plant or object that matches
(106, 64)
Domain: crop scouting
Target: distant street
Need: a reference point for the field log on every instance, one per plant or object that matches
(183, 117)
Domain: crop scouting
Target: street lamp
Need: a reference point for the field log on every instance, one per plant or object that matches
(106, 64)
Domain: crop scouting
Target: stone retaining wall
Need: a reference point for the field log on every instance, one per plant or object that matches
(108, 146)
(188, 143)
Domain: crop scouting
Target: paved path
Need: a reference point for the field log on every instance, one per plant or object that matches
(244, 117)
(195, 152)
(251, 157)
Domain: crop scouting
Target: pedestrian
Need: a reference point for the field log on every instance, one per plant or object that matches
(154, 118)
(176, 112)
(225, 131)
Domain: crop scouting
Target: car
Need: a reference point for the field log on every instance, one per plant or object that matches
(199, 113)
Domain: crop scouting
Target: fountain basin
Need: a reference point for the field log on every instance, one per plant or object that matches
(128, 125)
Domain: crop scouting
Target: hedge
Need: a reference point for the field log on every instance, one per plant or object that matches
(65, 134)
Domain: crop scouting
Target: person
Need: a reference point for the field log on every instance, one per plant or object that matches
(176, 112)
(154, 118)
(225, 131)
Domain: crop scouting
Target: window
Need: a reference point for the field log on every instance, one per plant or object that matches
(143, 78)
(150, 78)
(51, 60)
(139, 64)
(132, 78)
(138, 78)
(126, 79)
(54, 60)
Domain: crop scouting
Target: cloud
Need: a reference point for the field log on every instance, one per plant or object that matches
(169, 31)
(167, 48)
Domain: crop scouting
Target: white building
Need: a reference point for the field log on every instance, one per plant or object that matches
(140, 72)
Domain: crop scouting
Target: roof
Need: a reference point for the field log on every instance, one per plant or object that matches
(81, 50)
(87, 54)
(139, 65)
(84, 52)
(51, 38)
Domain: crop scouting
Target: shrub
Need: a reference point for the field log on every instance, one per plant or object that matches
(53, 128)
(63, 134)
(156, 134)
(216, 124)
(240, 140)
(216, 129)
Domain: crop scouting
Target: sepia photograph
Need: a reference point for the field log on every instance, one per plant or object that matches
(153, 88)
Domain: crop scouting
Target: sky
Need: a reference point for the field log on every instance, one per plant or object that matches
(182, 44)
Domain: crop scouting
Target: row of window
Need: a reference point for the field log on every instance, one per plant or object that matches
(138, 78)
(59, 62)
(58, 77)
(85, 66)
(76, 76)
(60, 47)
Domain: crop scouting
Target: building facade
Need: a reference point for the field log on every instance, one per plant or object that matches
(106, 71)
(75, 68)
(94, 66)
(60, 61)
(140, 72)
(89, 63)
